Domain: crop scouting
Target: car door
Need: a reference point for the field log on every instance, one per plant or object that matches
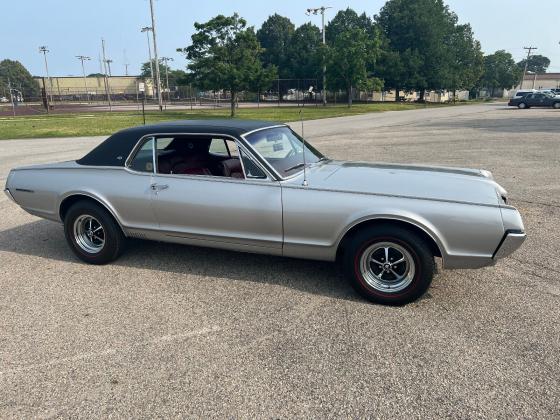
(129, 190)
(225, 212)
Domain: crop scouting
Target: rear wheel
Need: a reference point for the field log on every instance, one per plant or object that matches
(389, 265)
(92, 233)
(522, 105)
(556, 105)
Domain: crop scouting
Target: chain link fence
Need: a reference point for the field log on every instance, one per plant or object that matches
(125, 93)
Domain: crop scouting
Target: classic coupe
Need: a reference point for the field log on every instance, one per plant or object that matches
(539, 99)
(259, 187)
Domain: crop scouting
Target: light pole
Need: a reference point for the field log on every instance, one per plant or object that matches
(529, 49)
(147, 29)
(83, 58)
(109, 61)
(166, 60)
(107, 87)
(44, 49)
(315, 11)
(158, 80)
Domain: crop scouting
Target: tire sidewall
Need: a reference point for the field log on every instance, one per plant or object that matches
(422, 258)
(113, 234)
(522, 105)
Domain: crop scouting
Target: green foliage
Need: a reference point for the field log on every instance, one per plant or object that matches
(500, 71)
(177, 77)
(304, 57)
(348, 19)
(225, 54)
(537, 64)
(275, 36)
(467, 60)
(350, 56)
(420, 38)
(96, 75)
(13, 73)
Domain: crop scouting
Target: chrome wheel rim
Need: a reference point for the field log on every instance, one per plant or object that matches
(89, 234)
(387, 267)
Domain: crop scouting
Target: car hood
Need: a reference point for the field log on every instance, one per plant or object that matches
(414, 181)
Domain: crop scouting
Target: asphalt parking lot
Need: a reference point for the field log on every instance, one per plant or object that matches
(179, 331)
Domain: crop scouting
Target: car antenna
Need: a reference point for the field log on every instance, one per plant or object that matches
(305, 183)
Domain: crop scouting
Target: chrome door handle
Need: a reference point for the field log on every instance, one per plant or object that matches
(159, 187)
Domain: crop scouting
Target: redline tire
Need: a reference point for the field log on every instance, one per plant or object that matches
(421, 265)
(90, 248)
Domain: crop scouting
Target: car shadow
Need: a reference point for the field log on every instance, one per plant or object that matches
(46, 240)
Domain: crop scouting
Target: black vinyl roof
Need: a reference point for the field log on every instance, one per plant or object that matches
(115, 150)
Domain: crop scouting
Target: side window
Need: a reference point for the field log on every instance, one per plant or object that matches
(252, 170)
(219, 147)
(143, 160)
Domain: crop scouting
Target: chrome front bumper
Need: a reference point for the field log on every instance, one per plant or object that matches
(9, 194)
(511, 242)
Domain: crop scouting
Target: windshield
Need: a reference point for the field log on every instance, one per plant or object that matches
(283, 149)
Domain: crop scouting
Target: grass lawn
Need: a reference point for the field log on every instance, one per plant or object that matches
(104, 123)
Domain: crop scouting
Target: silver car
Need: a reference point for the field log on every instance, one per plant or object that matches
(258, 187)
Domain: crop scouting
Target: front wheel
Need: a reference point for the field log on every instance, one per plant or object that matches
(389, 265)
(92, 233)
(556, 105)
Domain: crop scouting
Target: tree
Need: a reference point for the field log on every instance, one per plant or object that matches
(225, 54)
(348, 19)
(349, 57)
(537, 64)
(467, 64)
(13, 74)
(304, 57)
(176, 77)
(419, 35)
(275, 37)
(146, 69)
(96, 75)
(500, 71)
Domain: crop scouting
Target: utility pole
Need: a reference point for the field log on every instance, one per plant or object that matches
(166, 60)
(107, 89)
(147, 29)
(529, 49)
(316, 11)
(43, 49)
(82, 58)
(158, 80)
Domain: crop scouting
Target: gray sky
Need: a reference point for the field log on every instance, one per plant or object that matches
(75, 27)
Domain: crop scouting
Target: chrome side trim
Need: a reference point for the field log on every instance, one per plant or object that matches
(510, 243)
(9, 194)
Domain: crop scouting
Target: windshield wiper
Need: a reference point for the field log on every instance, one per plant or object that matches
(291, 168)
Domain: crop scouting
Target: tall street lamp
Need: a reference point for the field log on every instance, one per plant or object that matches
(83, 58)
(44, 49)
(147, 29)
(315, 11)
(158, 80)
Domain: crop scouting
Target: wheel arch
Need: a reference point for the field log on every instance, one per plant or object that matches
(435, 246)
(69, 200)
